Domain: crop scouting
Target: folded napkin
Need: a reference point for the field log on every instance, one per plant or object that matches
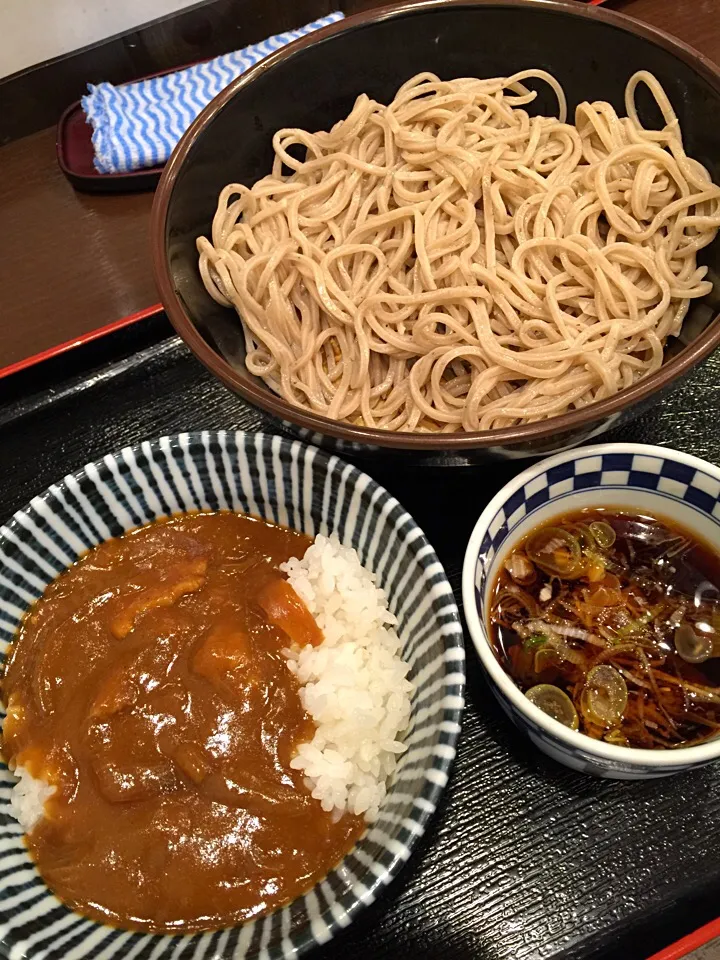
(137, 124)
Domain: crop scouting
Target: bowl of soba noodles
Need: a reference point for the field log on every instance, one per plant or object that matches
(591, 590)
(456, 230)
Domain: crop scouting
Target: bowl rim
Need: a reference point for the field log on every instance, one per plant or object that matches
(436, 768)
(261, 396)
(627, 756)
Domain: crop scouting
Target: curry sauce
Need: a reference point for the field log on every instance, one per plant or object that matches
(149, 685)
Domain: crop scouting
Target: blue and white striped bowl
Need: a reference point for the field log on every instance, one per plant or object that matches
(286, 483)
(633, 476)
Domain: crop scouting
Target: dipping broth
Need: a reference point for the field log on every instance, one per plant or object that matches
(610, 622)
(148, 684)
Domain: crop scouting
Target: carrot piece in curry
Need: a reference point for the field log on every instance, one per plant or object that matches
(287, 611)
(225, 647)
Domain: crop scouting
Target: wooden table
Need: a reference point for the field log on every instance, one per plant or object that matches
(72, 262)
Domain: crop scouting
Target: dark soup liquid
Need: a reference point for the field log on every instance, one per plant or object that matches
(610, 622)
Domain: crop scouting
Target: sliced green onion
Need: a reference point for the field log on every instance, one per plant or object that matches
(556, 551)
(555, 703)
(536, 640)
(603, 533)
(605, 695)
(693, 647)
(634, 626)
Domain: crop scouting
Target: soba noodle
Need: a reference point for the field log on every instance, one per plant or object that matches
(449, 262)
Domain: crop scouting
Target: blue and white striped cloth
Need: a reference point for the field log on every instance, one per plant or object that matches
(137, 125)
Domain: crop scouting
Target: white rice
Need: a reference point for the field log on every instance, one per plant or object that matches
(27, 798)
(354, 684)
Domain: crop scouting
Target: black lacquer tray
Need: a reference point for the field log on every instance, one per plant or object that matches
(526, 860)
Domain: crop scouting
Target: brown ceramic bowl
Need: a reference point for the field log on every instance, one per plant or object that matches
(313, 82)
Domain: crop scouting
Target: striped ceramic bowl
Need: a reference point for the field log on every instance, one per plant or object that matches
(287, 483)
(636, 477)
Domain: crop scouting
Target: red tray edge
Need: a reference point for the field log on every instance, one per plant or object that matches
(685, 946)
(79, 341)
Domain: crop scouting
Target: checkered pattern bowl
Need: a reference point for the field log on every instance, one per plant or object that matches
(633, 477)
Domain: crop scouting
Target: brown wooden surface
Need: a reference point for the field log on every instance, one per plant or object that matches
(69, 262)
(72, 262)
